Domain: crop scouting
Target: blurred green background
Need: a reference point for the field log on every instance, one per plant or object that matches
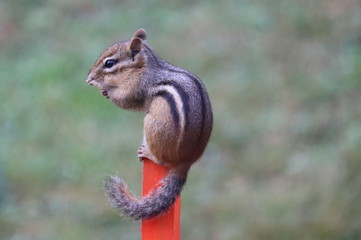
(283, 76)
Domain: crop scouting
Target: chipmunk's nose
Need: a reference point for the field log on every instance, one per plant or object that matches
(89, 80)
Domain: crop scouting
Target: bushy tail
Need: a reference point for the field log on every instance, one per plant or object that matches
(158, 201)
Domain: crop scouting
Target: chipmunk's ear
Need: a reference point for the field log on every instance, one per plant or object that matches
(135, 46)
(141, 34)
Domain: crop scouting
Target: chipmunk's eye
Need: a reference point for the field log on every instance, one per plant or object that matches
(110, 63)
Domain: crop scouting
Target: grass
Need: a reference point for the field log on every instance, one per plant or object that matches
(284, 159)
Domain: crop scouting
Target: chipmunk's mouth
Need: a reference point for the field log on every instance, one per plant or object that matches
(104, 93)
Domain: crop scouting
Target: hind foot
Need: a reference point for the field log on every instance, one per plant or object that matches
(144, 152)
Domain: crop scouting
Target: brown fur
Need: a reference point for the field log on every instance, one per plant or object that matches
(177, 125)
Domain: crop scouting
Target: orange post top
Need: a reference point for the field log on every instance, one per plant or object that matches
(166, 226)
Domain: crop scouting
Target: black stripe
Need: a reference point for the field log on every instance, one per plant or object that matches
(154, 57)
(185, 99)
(203, 102)
(201, 94)
(160, 64)
(172, 105)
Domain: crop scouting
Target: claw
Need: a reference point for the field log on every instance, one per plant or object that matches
(143, 152)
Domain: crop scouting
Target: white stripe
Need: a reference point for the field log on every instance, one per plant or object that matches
(178, 100)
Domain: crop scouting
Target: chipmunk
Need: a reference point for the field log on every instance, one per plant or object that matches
(177, 124)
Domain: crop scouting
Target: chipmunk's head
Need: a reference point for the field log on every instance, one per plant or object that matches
(117, 70)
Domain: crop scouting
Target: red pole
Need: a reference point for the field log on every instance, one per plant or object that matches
(166, 226)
